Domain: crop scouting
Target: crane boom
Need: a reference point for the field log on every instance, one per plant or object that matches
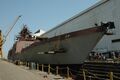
(2, 41)
(11, 28)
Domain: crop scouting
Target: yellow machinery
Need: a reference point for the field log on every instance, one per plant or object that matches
(1, 44)
(2, 41)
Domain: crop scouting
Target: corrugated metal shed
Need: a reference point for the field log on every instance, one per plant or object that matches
(84, 19)
(103, 11)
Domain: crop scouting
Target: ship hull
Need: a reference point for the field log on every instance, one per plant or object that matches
(78, 45)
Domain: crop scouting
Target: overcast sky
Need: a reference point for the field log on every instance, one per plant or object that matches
(37, 14)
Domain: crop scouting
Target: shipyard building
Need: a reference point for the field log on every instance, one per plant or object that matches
(104, 11)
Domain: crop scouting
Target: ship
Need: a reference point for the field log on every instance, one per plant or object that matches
(69, 48)
(68, 43)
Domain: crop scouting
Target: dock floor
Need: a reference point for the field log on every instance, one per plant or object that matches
(9, 71)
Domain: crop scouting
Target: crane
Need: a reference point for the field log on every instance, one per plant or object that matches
(2, 41)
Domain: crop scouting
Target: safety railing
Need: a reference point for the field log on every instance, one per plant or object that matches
(69, 72)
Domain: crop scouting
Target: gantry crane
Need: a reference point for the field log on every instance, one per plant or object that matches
(2, 40)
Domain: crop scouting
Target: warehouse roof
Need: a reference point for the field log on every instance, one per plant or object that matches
(79, 14)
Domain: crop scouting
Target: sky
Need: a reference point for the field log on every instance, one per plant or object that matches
(36, 14)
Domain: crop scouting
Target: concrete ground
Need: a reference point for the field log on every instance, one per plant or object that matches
(9, 71)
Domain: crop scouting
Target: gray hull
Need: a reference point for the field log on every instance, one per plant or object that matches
(77, 50)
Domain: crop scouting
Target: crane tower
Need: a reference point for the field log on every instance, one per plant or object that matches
(1, 44)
